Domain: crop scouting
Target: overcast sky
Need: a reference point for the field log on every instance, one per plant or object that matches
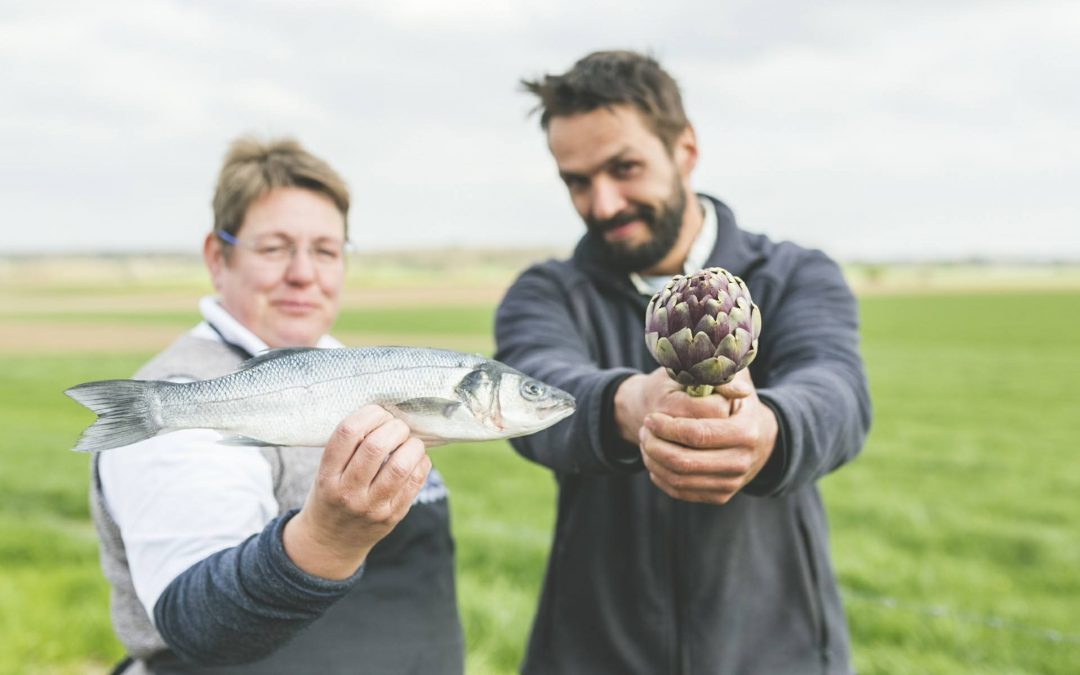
(874, 130)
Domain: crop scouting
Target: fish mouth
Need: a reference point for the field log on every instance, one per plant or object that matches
(560, 407)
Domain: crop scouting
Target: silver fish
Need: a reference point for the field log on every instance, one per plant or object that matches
(298, 396)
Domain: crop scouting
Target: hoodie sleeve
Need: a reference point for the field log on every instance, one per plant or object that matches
(812, 377)
(536, 332)
(240, 604)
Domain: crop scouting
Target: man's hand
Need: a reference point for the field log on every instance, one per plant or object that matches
(640, 395)
(708, 459)
(371, 470)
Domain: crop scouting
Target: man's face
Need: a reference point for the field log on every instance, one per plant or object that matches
(287, 299)
(623, 182)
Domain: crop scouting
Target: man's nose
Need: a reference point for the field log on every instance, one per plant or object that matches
(607, 199)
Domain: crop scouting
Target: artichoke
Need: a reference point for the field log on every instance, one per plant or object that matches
(703, 329)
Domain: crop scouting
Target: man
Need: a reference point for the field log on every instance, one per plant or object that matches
(690, 536)
(276, 560)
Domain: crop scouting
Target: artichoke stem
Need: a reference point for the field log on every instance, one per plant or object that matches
(699, 389)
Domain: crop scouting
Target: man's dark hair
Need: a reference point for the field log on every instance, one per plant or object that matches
(611, 78)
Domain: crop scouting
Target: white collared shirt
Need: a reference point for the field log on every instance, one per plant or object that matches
(696, 257)
(182, 496)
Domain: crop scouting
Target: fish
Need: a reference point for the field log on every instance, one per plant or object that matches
(297, 397)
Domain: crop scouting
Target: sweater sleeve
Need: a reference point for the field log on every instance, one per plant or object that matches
(240, 604)
(814, 378)
(536, 333)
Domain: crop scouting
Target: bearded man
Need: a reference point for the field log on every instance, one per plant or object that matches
(690, 535)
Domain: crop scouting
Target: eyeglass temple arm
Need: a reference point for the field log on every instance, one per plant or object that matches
(226, 237)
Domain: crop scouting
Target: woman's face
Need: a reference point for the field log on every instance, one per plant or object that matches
(283, 278)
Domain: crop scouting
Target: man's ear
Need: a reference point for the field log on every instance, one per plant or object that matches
(686, 152)
(214, 257)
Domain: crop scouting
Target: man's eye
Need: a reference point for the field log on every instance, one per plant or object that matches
(327, 253)
(624, 169)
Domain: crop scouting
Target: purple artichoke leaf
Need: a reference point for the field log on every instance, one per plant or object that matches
(701, 348)
(749, 358)
(696, 308)
(707, 325)
(721, 328)
(651, 338)
(726, 303)
(713, 307)
(666, 355)
(657, 321)
(736, 317)
(715, 371)
(686, 379)
(681, 342)
(728, 348)
(679, 318)
(743, 339)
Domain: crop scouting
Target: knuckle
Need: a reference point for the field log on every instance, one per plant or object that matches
(417, 479)
(381, 513)
(696, 435)
(423, 469)
(396, 427)
(349, 429)
(683, 464)
(374, 448)
(398, 471)
(371, 410)
(346, 501)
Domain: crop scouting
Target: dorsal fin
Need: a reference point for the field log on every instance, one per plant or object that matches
(273, 354)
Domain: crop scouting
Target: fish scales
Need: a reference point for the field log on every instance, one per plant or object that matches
(322, 387)
(297, 397)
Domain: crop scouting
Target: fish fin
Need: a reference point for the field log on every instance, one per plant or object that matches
(126, 410)
(273, 354)
(429, 404)
(244, 441)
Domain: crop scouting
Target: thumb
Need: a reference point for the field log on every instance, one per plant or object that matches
(740, 387)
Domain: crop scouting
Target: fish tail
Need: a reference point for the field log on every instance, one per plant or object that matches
(128, 411)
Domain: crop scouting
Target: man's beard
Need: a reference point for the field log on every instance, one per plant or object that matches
(664, 223)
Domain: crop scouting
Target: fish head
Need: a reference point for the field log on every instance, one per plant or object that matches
(505, 402)
(490, 400)
(527, 405)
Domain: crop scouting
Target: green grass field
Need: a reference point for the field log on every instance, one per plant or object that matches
(956, 535)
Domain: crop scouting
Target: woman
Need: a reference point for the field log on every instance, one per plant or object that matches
(276, 559)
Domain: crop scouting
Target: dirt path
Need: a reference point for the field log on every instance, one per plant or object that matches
(27, 338)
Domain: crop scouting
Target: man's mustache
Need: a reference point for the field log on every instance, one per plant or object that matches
(642, 213)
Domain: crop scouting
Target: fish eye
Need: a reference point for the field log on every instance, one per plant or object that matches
(532, 390)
